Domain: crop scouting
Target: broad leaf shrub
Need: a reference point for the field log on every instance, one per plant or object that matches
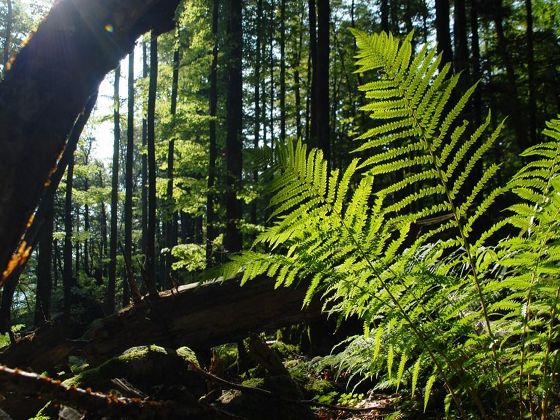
(446, 300)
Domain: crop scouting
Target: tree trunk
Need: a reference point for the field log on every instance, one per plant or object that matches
(111, 286)
(67, 280)
(49, 86)
(531, 75)
(461, 57)
(150, 269)
(212, 147)
(7, 35)
(257, 98)
(384, 6)
(297, 78)
(282, 71)
(442, 31)
(171, 222)
(44, 268)
(322, 78)
(271, 25)
(476, 71)
(312, 111)
(128, 174)
(144, 180)
(234, 144)
(515, 110)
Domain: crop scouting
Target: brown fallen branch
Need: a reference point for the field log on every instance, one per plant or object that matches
(31, 384)
(195, 316)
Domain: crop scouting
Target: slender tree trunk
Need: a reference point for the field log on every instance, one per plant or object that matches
(77, 242)
(44, 268)
(88, 245)
(322, 77)
(476, 71)
(234, 144)
(531, 74)
(257, 99)
(312, 137)
(104, 231)
(408, 19)
(171, 224)
(442, 31)
(7, 35)
(67, 280)
(212, 147)
(55, 263)
(282, 71)
(111, 286)
(461, 57)
(503, 46)
(144, 180)
(150, 276)
(384, 6)
(271, 25)
(129, 175)
(297, 79)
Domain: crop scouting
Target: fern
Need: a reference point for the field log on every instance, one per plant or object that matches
(449, 302)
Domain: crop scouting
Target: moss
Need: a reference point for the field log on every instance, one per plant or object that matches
(284, 350)
(318, 386)
(254, 382)
(143, 366)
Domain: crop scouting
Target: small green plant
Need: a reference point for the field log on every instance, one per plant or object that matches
(457, 303)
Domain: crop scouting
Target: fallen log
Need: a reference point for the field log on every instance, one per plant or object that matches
(195, 316)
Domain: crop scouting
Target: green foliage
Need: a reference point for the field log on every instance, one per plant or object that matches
(442, 295)
(189, 257)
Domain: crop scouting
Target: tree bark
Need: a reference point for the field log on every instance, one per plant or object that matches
(44, 91)
(282, 71)
(7, 35)
(144, 179)
(531, 74)
(384, 6)
(171, 222)
(111, 285)
(212, 146)
(128, 173)
(150, 252)
(442, 31)
(44, 268)
(257, 98)
(461, 58)
(234, 143)
(514, 103)
(271, 26)
(322, 90)
(67, 280)
(312, 76)
(475, 62)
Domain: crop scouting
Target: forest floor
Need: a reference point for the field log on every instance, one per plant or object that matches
(260, 377)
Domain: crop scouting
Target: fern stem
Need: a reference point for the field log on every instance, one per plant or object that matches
(425, 138)
(545, 400)
(420, 335)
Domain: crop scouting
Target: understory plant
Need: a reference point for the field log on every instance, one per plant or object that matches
(406, 238)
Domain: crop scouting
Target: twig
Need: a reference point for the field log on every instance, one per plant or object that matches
(85, 399)
(269, 394)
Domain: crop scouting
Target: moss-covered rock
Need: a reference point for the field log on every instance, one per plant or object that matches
(145, 367)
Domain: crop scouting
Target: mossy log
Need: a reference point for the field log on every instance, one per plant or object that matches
(195, 316)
